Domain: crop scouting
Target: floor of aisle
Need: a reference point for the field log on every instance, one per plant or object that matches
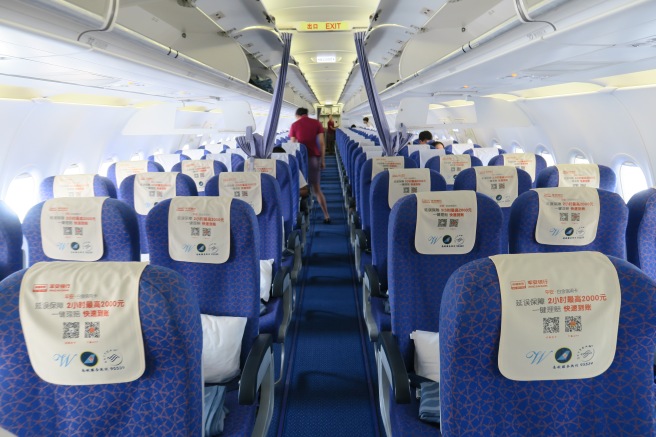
(329, 387)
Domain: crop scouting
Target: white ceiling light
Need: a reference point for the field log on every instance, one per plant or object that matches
(325, 58)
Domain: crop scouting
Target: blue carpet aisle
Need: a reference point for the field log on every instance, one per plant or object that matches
(329, 386)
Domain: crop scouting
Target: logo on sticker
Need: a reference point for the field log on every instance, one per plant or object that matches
(75, 246)
(569, 232)
(563, 355)
(112, 357)
(89, 359)
(201, 248)
(447, 239)
(585, 354)
(499, 197)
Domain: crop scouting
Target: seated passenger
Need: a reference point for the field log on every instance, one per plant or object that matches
(438, 145)
(425, 137)
(303, 189)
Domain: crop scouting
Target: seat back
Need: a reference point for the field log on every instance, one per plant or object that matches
(364, 200)
(268, 219)
(550, 176)
(379, 216)
(416, 281)
(485, 154)
(102, 187)
(641, 231)
(184, 186)
(167, 396)
(120, 233)
(193, 153)
(201, 171)
(230, 160)
(284, 178)
(477, 400)
(11, 240)
(467, 180)
(228, 289)
(150, 166)
(450, 174)
(510, 159)
(611, 231)
(294, 169)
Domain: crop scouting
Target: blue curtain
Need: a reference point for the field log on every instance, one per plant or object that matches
(400, 140)
(276, 103)
(377, 109)
(256, 145)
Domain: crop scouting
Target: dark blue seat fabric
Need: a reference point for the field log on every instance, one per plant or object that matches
(270, 233)
(102, 187)
(549, 178)
(168, 396)
(434, 164)
(611, 231)
(416, 285)
(477, 400)
(184, 186)
(540, 164)
(284, 178)
(466, 180)
(641, 231)
(111, 187)
(111, 172)
(120, 230)
(11, 241)
(380, 213)
(416, 281)
(218, 167)
(228, 289)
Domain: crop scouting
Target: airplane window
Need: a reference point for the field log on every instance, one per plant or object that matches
(516, 148)
(104, 167)
(548, 157)
(73, 169)
(137, 157)
(580, 159)
(632, 180)
(21, 194)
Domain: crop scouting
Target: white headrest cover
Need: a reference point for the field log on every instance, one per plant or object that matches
(559, 315)
(81, 322)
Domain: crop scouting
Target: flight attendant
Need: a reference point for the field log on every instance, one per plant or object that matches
(330, 134)
(308, 131)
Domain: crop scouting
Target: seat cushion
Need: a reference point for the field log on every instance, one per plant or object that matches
(405, 421)
(383, 319)
(272, 318)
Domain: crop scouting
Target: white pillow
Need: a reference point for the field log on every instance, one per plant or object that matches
(427, 354)
(266, 276)
(222, 337)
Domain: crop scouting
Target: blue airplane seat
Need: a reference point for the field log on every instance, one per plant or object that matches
(375, 274)
(11, 241)
(150, 166)
(232, 289)
(168, 396)
(467, 180)
(434, 163)
(641, 231)
(184, 186)
(416, 285)
(477, 400)
(540, 164)
(200, 171)
(120, 232)
(610, 238)
(167, 160)
(102, 187)
(549, 177)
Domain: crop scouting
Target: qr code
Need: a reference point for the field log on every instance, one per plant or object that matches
(68, 230)
(195, 232)
(551, 325)
(441, 223)
(453, 223)
(406, 190)
(71, 330)
(152, 193)
(576, 216)
(502, 186)
(207, 232)
(413, 190)
(244, 194)
(91, 329)
(564, 217)
(494, 186)
(573, 324)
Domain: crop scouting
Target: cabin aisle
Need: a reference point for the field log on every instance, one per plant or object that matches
(328, 389)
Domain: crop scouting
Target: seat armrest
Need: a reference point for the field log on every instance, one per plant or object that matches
(294, 240)
(281, 282)
(394, 367)
(361, 240)
(257, 363)
(356, 219)
(372, 282)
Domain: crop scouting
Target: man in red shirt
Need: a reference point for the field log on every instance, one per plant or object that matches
(308, 131)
